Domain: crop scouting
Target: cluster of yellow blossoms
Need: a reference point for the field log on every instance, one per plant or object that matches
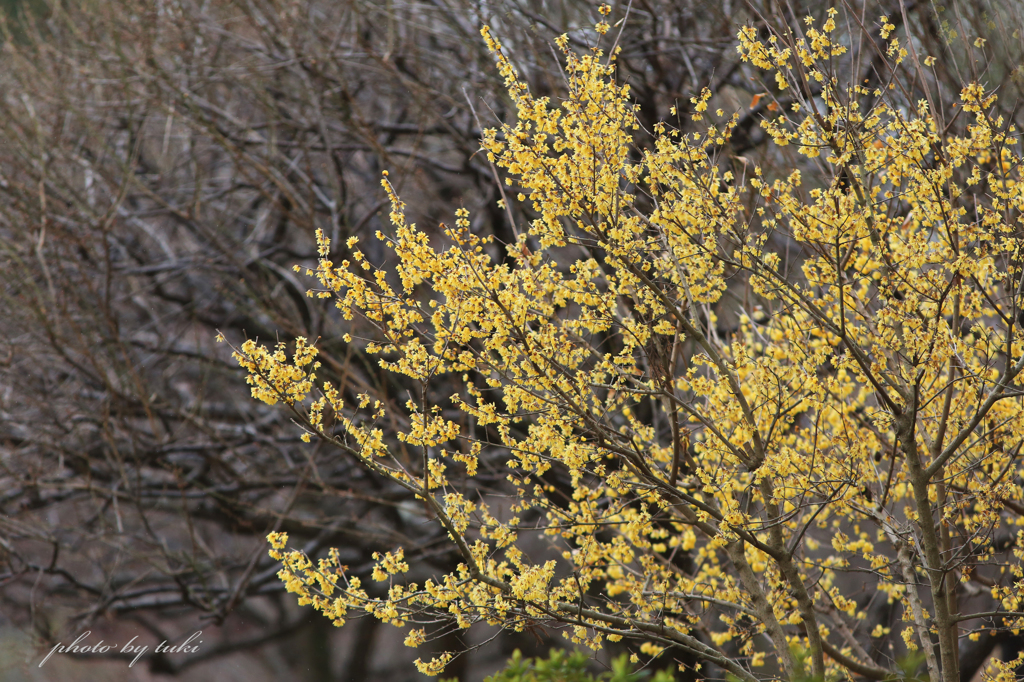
(722, 481)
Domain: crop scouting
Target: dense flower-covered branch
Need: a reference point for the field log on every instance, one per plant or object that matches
(702, 487)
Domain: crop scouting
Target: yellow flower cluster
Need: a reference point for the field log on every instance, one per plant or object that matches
(272, 377)
(693, 477)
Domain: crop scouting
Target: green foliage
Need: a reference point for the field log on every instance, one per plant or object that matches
(911, 668)
(561, 666)
(18, 14)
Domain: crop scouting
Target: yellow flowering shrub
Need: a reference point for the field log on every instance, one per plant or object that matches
(864, 416)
